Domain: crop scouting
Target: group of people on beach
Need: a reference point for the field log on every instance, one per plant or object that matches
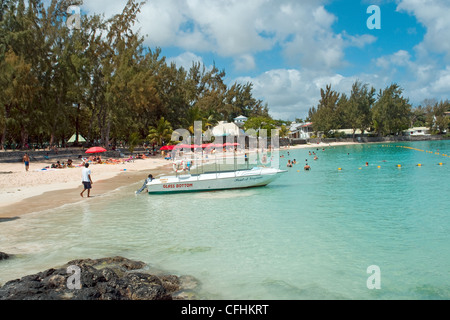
(59, 165)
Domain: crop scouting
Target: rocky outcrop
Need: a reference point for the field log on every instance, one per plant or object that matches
(102, 279)
(3, 256)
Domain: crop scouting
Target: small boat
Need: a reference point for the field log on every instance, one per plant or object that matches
(213, 181)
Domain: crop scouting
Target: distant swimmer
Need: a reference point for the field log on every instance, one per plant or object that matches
(316, 158)
(289, 164)
(367, 164)
(307, 167)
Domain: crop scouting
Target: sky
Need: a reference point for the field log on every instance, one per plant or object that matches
(290, 49)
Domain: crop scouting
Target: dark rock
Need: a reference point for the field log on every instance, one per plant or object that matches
(101, 279)
(3, 256)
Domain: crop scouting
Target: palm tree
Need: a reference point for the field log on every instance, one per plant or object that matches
(284, 131)
(161, 133)
(133, 141)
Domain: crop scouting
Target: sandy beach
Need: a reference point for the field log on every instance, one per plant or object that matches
(24, 192)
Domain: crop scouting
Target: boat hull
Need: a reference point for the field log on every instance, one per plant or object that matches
(214, 181)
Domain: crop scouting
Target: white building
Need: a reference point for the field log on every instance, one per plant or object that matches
(300, 130)
(417, 131)
(225, 129)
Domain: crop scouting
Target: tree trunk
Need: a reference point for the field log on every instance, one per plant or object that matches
(77, 124)
(108, 131)
(3, 138)
(23, 136)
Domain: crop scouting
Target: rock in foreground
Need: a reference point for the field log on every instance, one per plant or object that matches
(103, 279)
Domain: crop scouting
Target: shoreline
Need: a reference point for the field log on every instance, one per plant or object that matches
(34, 191)
(24, 192)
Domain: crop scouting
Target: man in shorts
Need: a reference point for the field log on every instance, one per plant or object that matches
(26, 161)
(87, 181)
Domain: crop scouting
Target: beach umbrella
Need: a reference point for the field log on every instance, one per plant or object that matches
(170, 148)
(183, 146)
(95, 150)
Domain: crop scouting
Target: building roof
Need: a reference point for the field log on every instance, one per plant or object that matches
(296, 126)
(226, 129)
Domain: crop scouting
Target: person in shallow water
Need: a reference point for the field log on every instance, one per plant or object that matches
(148, 180)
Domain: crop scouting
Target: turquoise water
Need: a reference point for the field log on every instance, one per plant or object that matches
(308, 235)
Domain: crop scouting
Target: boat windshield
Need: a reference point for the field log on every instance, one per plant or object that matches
(195, 161)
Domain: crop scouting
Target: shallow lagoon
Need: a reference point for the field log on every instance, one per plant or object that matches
(308, 235)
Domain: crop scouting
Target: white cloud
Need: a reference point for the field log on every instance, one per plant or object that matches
(400, 58)
(433, 14)
(245, 62)
(241, 29)
(290, 93)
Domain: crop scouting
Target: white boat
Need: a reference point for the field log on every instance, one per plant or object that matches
(212, 181)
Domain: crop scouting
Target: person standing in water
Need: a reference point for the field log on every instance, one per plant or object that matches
(86, 179)
(148, 180)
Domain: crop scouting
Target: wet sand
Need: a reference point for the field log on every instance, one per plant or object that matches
(24, 192)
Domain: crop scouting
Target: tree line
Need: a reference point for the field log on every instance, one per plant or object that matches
(100, 81)
(384, 113)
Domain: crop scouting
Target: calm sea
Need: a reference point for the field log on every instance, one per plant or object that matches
(308, 235)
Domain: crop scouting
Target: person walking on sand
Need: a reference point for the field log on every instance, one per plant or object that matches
(26, 160)
(86, 179)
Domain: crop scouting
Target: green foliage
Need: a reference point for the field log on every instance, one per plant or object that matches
(327, 115)
(133, 141)
(391, 112)
(162, 133)
(436, 118)
(100, 81)
(258, 123)
(284, 131)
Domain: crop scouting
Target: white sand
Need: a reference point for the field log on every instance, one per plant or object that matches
(20, 185)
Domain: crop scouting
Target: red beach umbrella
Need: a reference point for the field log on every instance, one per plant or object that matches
(183, 146)
(167, 148)
(95, 150)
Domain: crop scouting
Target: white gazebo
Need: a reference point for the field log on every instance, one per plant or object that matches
(240, 121)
